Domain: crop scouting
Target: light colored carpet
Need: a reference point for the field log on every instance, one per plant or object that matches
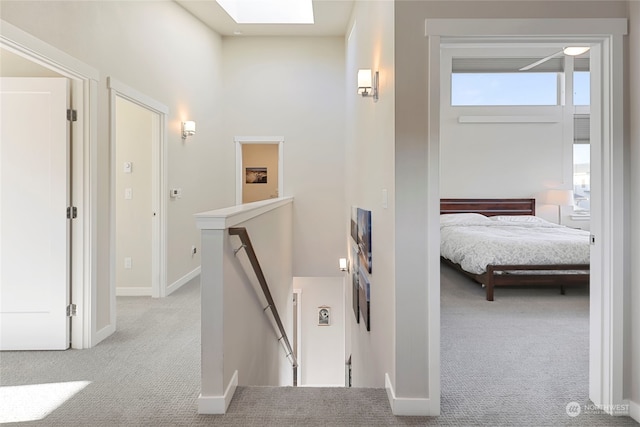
(516, 361)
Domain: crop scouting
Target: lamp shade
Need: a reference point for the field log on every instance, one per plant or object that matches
(558, 197)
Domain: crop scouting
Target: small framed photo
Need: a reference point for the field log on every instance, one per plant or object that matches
(324, 316)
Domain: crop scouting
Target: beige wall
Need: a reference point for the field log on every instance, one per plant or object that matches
(370, 170)
(134, 135)
(294, 87)
(260, 156)
(162, 51)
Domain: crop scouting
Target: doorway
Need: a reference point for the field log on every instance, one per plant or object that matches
(259, 168)
(607, 282)
(138, 196)
(24, 56)
(133, 208)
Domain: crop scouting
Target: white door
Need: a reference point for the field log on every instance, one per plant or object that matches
(34, 229)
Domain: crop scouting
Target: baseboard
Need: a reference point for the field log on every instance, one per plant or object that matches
(412, 407)
(183, 281)
(102, 334)
(133, 291)
(634, 410)
(218, 404)
(322, 385)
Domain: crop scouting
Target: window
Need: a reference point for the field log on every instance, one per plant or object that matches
(581, 163)
(581, 88)
(504, 89)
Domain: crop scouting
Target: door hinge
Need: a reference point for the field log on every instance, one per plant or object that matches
(72, 310)
(72, 115)
(72, 212)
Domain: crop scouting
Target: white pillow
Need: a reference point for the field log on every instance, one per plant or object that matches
(463, 219)
(518, 218)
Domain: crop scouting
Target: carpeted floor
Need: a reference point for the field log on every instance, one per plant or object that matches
(515, 362)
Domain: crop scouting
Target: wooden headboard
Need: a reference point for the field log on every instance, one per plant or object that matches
(489, 207)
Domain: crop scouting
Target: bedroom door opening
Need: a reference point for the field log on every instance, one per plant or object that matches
(139, 194)
(608, 258)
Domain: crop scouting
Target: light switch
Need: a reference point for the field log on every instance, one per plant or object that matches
(128, 167)
(128, 193)
(385, 199)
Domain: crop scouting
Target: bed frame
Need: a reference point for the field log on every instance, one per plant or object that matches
(498, 275)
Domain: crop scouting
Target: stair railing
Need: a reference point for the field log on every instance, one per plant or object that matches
(242, 233)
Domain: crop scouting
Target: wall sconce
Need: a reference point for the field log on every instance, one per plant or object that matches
(188, 129)
(344, 264)
(368, 83)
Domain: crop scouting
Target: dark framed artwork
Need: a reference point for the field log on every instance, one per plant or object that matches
(355, 272)
(364, 237)
(364, 295)
(255, 175)
(354, 223)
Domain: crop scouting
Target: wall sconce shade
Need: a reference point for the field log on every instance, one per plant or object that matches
(188, 129)
(344, 264)
(368, 83)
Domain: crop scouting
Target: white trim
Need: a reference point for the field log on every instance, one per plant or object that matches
(104, 333)
(158, 185)
(240, 141)
(634, 410)
(558, 27)
(222, 219)
(508, 119)
(606, 313)
(413, 407)
(218, 404)
(133, 291)
(298, 292)
(183, 280)
(85, 99)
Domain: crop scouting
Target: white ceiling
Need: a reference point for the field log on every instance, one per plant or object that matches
(331, 19)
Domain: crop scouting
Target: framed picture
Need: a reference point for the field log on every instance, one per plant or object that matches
(324, 316)
(364, 237)
(256, 175)
(354, 223)
(364, 295)
(355, 272)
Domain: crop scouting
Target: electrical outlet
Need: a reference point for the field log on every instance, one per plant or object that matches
(127, 262)
(193, 250)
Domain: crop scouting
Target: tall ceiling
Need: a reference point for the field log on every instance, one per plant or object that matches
(331, 19)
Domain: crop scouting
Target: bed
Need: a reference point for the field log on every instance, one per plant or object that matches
(500, 242)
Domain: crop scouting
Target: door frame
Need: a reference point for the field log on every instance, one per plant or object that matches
(606, 324)
(84, 185)
(158, 188)
(242, 140)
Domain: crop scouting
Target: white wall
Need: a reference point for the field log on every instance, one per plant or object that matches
(294, 87)
(633, 355)
(322, 355)
(370, 170)
(162, 51)
(133, 219)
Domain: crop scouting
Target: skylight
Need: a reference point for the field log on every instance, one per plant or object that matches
(269, 11)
